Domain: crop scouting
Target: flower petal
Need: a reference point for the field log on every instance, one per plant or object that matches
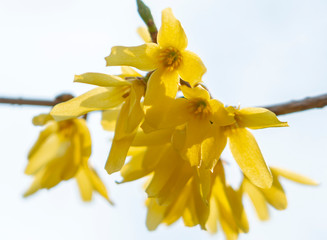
(97, 99)
(212, 146)
(256, 118)
(161, 92)
(257, 199)
(191, 68)
(195, 93)
(144, 34)
(143, 57)
(295, 177)
(275, 195)
(171, 33)
(248, 156)
(101, 80)
(153, 138)
(109, 119)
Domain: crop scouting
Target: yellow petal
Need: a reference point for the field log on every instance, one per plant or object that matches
(257, 199)
(155, 215)
(221, 116)
(143, 57)
(97, 99)
(85, 136)
(84, 185)
(144, 34)
(171, 33)
(162, 173)
(136, 112)
(100, 79)
(195, 93)
(295, 177)
(212, 146)
(248, 156)
(51, 128)
(235, 199)
(41, 119)
(109, 119)
(196, 130)
(98, 185)
(256, 118)
(161, 91)
(213, 217)
(203, 180)
(153, 138)
(129, 72)
(275, 195)
(52, 147)
(191, 68)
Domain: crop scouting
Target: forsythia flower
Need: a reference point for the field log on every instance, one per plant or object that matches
(62, 152)
(124, 91)
(274, 196)
(170, 61)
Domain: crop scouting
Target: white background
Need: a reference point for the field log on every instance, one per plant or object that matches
(257, 53)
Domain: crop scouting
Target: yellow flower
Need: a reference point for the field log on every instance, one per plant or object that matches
(123, 92)
(199, 117)
(60, 153)
(243, 145)
(274, 196)
(170, 60)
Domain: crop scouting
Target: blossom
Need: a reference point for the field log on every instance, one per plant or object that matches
(60, 153)
(274, 196)
(123, 92)
(169, 60)
(243, 145)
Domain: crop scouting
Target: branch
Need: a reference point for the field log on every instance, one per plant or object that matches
(20, 101)
(299, 105)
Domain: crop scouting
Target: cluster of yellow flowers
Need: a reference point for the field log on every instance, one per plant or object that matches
(171, 130)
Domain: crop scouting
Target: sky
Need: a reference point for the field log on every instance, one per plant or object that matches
(257, 53)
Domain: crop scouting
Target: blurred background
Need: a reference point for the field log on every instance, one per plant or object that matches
(257, 53)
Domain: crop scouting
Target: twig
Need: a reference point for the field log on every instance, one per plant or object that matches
(21, 101)
(299, 105)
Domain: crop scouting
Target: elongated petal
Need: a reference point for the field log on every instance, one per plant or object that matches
(203, 180)
(192, 68)
(212, 146)
(256, 118)
(52, 147)
(136, 112)
(154, 138)
(101, 80)
(144, 34)
(121, 143)
(155, 215)
(257, 199)
(195, 93)
(171, 33)
(143, 57)
(84, 185)
(97, 99)
(98, 185)
(249, 158)
(161, 92)
(42, 119)
(221, 116)
(128, 72)
(109, 119)
(275, 195)
(295, 177)
(196, 130)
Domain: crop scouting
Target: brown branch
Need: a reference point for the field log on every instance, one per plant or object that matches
(299, 105)
(278, 109)
(21, 101)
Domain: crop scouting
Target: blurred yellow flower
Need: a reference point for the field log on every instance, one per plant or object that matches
(61, 152)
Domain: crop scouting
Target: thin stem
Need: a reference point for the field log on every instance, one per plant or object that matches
(34, 102)
(299, 105)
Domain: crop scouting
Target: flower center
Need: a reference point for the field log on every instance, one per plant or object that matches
(171, 58)
(200, 108)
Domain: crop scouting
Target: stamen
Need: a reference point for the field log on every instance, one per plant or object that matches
(200, 108)
(171, 58)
